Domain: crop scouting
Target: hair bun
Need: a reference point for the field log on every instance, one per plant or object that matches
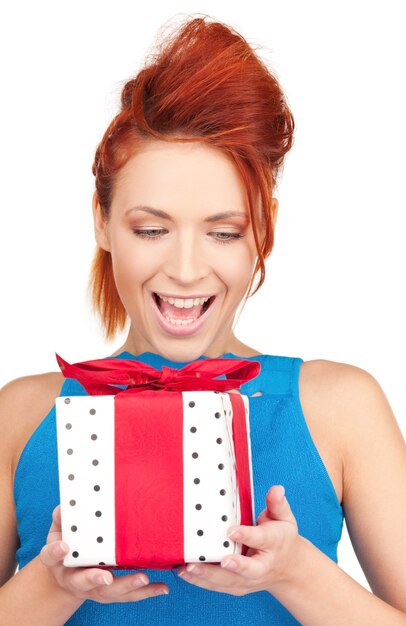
(127, 93)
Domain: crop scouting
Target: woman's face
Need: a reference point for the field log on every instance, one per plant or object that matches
(182, 248)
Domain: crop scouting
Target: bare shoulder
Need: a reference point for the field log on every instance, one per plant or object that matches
(352, 403)
(323, 385)
(322, 371)
(24, 402)
(38, 385)
(29, 393)
(347, 393)
(357, 414)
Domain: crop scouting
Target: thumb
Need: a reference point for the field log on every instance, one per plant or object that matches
(277, 506)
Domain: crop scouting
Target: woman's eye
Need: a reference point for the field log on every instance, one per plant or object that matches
(155, 233)
(149, 233)
(227, 237)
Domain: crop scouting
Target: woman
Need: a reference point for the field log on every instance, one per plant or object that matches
(184, 219)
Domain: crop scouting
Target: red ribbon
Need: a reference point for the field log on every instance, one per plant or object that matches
(149, 471)
(101, 376)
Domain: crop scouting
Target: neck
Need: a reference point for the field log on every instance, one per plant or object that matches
(233, 346)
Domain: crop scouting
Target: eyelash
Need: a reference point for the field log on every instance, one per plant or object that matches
(144, 234)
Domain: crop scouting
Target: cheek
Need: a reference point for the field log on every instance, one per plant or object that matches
(132, 264)
(236, 266)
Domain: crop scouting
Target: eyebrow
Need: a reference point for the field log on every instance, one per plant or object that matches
(212, 218)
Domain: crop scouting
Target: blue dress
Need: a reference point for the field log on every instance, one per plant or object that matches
(283, 452)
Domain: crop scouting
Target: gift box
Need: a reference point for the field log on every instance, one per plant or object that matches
(154, 465)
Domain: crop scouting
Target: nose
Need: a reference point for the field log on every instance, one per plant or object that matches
(186, 264)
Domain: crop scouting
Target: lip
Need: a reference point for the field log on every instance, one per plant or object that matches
(180, 331)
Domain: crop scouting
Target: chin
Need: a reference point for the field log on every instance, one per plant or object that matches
(181, 355)
(181, 352)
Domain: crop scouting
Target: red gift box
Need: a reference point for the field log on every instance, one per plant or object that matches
(145, 461)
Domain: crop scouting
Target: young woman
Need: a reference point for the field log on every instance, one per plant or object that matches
(184, 219)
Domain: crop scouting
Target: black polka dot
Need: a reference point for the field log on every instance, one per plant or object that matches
(217, 415)
(233, 505)
(75, 554)
(99, 539)
(93, 437)
(193, 429)
(95, 462)
(73, 528)
(221, 466)
(196, 481)
(102, 563)
(71, 476)
(219, 440)
(222, 492)
(69, 451)
(200, 533)
(98, 513)
(96, 487)
(202, 558)
(67, 400)
(198, 507)
(191, 404)
(226, 544)
(225, 412)
(195, 455)
(224, 518)
(72, 502)
(68, 426)
(92, 411)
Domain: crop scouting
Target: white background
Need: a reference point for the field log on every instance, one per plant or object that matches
(335, 281)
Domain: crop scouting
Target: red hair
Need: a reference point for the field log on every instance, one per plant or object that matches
(204, 83)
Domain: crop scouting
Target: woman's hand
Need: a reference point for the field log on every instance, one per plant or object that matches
(273, 552)
(92, 583)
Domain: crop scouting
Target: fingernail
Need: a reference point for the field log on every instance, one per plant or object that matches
(193, 568)
(234, 534)
(104, 580)
(60, 549)
(229, 564)
(161, 592)
(141, 581)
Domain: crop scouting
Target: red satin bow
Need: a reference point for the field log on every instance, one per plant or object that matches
(100, 377)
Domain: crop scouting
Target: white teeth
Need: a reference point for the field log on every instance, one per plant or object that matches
(184, 303)
(180, 322)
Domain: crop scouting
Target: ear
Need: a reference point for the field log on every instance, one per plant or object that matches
(100, 225)
(274, 215)
(274, 210)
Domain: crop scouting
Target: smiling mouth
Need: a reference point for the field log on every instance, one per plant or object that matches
(182, 311)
